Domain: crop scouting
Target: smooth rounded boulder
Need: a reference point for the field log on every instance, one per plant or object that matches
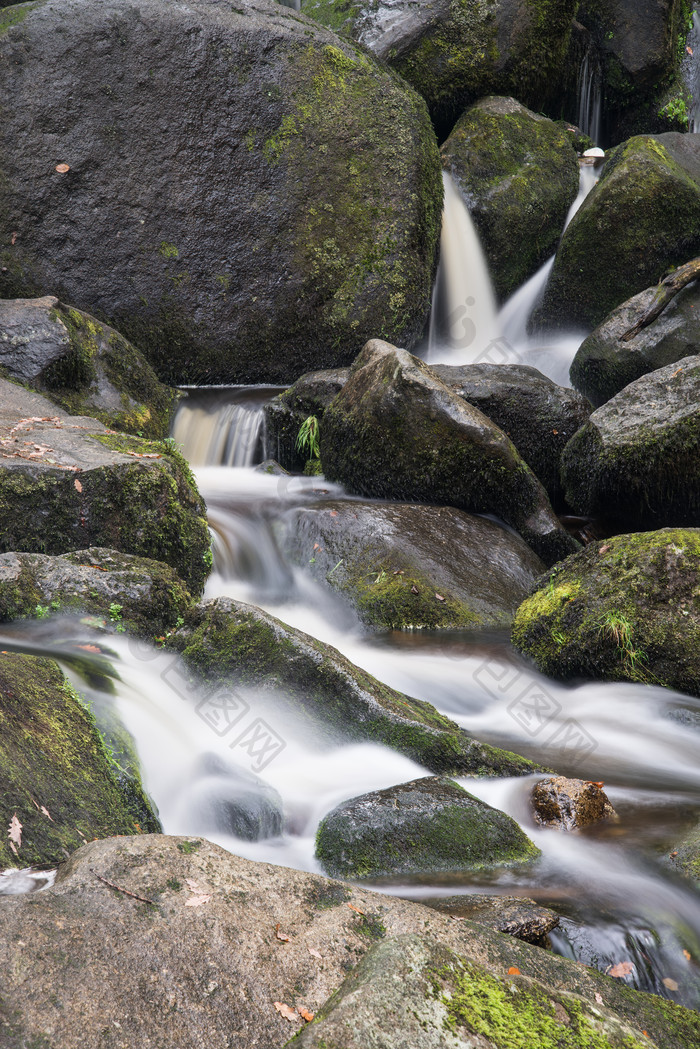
(642, 218)
(236, 190)
(397, 432)
(518, 174)
(286, 413)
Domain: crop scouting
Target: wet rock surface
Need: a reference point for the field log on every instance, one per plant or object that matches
(397, 432)
(228, 799)
(515, 916)
(284, 415)
(569, 804)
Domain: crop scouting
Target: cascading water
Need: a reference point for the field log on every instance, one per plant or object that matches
(589, 104)
(691, 73)
(220, 426)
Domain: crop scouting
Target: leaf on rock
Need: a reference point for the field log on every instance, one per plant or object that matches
(671, 984)
(514, 971)
(354, 908)
(305, 1014)
(14, 833)
(62, 168)
(280, 935)
(197, 901)
(314, 953)
(285, 1011)
(687, 955)
(621, 969)
(440, 597)
(78, 485)
(599, 998)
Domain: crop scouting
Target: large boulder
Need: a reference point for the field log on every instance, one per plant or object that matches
(397, 432)
(518, 174)
(456, 51)
(236, 645)
(625, 610)
(604, 364)
(428, 825)
(642, 218)
(66, 483)
(403, 565)
(60, 786)
(286, 413)
(208, 944)
(85, 367)
(262, 196)
(539, 416)
(636, 462)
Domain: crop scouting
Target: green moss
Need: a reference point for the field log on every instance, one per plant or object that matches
(16, 14)
(325, 894)
(188, 847)
(399, 602)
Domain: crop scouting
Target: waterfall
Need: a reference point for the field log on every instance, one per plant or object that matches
(691, 74)
(222, 426)
(590, 97)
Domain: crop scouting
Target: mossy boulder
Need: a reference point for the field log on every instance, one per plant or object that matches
(636, 462)
(685, 855)
(604, 364)
(407, 566)
(421, 827)
(137, 594)
(624, 610)
(66, 483)
(264, 201)
(518, 174)
(56, 775)
(456, 51)
(539, 416)
(85, 367)
(642, 218)
(237, 645)
(397, 432)
(285, 414)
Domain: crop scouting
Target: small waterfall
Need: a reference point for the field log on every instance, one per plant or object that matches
(222, 426)
(464, 314)
(691, 73)
(590, 97)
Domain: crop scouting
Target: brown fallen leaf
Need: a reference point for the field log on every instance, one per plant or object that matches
(314, 953)
(604, 549)
(78, 485)
(687, 955)
(514, 971)
(414, 589)
(354, 908)
(671, 984)
(280, 935)
(197, 901)
(90, 648)
(620, 970)
(13, 238)
(193, 885)
(440, 597)
(596, 782)
(62, 168)
(674, 853)
(333, 513)
(599, 998)
(286, 1011)
(14, 833)
(305, 1014)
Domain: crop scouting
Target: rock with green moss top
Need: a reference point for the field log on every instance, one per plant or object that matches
(130, 593)
(406, 566)
(414, 991)
(518, 174)
(285, 414)
(636, 462)
(85, 367)
(642, 218)
(421, 827)
(397, 432)
(56, 775)
(604, 364)
(684, 857)
(538, 416)
(66, 483)
(308, 199)
(623, 611)
(229, 643)
(456, 51)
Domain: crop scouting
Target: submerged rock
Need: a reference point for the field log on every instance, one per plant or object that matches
(85, 367)
(538, 416)
(514, 915)
(519, 175)
(262, 196)
(142, 596)
(66, 483)
(623, 610)
(407, 566)
(225, 798)
(223, 964)
(58, 779)
(454, 53)
(397, 432)
(604, 365)
(428, 825)
(636, 462)
(238, 645)
(284, 414)
(642, 218)
(568, 804)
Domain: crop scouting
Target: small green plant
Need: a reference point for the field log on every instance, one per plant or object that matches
(307, 442)
(42, 611)
(115, 616)
(168, 251)
(675, 111)
(618, 627)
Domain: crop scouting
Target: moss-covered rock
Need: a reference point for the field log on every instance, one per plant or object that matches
(604, 364)
(417, 567)
(636, 462)
(130, 593)
(312, 172)
(56, 775)
(66, 483)
(685, 856)
(627, 610)
(427, 825)
(286, 413)
(85, 367)
(538, 416)
(230, 643)
(397, 432)
(642, 218)
(456, 51)
(519, 175)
